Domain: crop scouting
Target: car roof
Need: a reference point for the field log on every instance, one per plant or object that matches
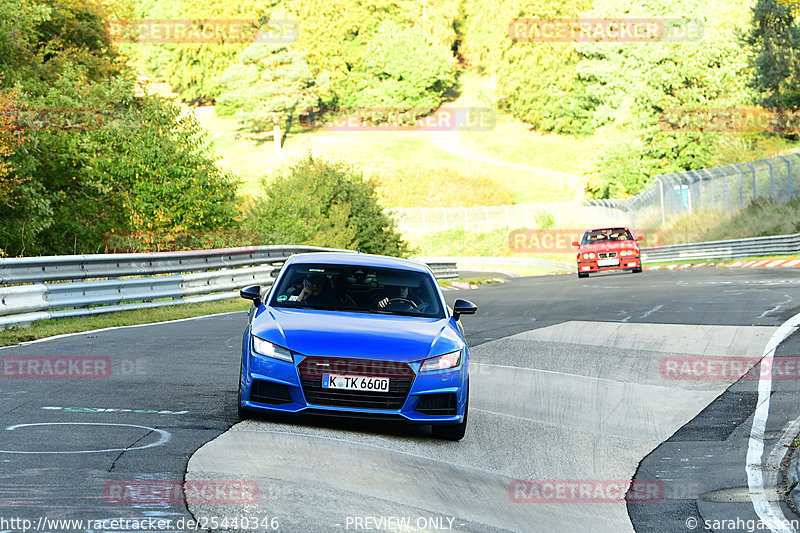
(609, 227)
(357, 259)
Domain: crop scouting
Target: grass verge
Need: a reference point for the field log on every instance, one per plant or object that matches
(48, 328)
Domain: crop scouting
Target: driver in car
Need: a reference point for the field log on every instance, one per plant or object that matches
(399, 295)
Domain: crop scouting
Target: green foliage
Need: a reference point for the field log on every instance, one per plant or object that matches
(270, 82)
(466, 243)
(104, 159)
(324, 203)
(401, 69)
(194, 69)
(760, 218)
(536, 81)
(775, 38)
(639, 84)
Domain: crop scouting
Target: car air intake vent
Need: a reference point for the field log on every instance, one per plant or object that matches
(438, 404)
(270, 393)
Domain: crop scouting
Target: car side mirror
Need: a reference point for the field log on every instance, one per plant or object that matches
(575, 243)
(253, 293)
(463, 307)
(639, 238)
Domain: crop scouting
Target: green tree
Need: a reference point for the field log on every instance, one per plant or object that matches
(401, 69)
(324, 203)
(633, 87)
(270, 82)
(535, 81)
(194, 69)
(96, 157)
(775, 38)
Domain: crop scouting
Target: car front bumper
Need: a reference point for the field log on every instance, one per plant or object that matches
(625, 263)
(271, 385)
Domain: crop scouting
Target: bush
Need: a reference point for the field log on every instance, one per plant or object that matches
(324, 203)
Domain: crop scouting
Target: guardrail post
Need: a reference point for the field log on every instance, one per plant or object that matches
(771, 180)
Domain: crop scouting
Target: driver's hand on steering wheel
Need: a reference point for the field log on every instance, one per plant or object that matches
(384, 302)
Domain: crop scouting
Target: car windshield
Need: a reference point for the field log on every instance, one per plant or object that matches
(606, 235)
(358, 289)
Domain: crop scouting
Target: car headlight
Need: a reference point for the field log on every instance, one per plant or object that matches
(267, 349)
(590, 255)
(627, 253)
(441, 362)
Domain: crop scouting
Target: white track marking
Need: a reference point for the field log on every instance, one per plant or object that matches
(163, 439)
(769, 512)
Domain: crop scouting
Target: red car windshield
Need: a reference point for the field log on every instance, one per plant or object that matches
(606, 235)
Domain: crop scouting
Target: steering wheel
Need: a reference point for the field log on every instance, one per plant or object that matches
(403, 300)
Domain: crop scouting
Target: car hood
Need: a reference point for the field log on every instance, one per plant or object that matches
(609, 245)
(338, 334)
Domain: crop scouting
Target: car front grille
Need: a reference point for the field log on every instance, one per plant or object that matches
(607, 255)
(400, 379)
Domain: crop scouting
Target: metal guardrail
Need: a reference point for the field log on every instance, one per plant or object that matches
(728, 249)
(38, 288)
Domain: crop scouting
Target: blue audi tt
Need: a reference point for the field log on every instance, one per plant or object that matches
(357, 335)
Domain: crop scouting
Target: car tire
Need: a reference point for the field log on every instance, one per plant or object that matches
(637, 270)
(452, 431)
(243, 413)
(583, 275)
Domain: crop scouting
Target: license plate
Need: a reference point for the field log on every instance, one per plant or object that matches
(607, 262)
(364, 383)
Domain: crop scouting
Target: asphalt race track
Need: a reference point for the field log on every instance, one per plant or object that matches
(576, 385)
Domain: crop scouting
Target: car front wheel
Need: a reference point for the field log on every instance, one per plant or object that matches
(452, 431)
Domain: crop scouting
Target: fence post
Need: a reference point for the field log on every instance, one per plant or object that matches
(771, 180)
(711, 179)
(798, 155)
(661, 190)
(688, 194)
(753, 169)
(788, 174)
(741, 193)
